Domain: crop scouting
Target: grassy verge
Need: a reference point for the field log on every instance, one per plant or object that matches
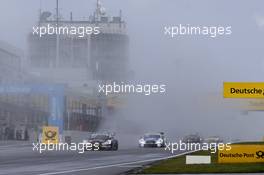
(178, 166)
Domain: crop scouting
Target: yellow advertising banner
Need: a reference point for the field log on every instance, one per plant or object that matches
(242, 154)
(50, 135)
(243, 90)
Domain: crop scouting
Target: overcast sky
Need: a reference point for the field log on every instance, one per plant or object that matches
(193, 68)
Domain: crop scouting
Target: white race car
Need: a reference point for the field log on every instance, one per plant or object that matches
(152, 140)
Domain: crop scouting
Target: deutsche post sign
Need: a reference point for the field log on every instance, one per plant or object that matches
(243, 89)
(242, 154)
(50, 135)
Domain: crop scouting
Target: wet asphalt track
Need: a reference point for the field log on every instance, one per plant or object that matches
(22, 160)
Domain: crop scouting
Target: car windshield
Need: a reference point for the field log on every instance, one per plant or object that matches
(101, 137)
(192, 137)
(152, 136)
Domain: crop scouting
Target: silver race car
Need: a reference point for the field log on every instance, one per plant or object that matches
(152, 140)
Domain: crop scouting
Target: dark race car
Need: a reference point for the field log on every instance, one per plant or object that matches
(192, 138)
(103, 142)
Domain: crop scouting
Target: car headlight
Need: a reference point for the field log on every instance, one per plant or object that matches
(108, 142)
(142, 141)
(159, 141)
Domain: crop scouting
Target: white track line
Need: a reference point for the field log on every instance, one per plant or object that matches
(14, 145)
(115, 165)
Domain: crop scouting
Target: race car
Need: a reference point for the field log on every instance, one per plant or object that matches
(103, 141)
(152, 140)
(214, 139)
(193, 138)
